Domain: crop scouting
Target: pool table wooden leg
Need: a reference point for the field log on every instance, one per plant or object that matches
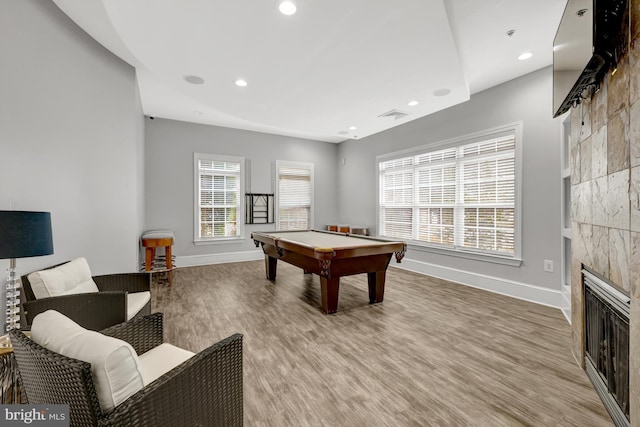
(271, 264)
(329, 291)
(376, 281)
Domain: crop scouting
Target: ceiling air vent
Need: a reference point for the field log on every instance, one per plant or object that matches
(396, 114)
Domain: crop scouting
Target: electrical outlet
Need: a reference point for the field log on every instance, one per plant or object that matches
(548, 266)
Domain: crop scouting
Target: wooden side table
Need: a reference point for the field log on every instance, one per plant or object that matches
(151, 240)
(10, 392)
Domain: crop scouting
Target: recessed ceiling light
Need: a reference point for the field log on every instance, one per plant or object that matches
(287, 7)
(197, 113)
(241, 83)
(352, 128)
(194, 80)
(413, 103)
(441, 92)
(525, 55)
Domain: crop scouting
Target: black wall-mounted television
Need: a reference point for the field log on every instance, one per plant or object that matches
(590, 39)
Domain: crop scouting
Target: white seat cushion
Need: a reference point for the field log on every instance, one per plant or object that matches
(158, 234)
(114, 363)
(69, 278)
(160, 360)
(135, 302)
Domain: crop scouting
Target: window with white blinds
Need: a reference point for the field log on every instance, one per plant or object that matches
(461, 198)
(294, 195)
(218, 197)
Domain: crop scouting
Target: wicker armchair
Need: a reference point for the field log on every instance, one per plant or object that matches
(96, 310)
(206, 390)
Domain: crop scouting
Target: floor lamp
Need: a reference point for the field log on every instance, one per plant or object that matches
(22, 234)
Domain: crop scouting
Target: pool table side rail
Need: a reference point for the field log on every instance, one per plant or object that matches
(376, 247)
(283, 235)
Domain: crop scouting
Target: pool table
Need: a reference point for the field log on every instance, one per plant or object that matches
(331, 255)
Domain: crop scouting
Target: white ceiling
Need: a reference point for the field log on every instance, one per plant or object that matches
(332, 65)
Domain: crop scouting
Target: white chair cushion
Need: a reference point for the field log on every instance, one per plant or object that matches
(160, 360)
(63, 280)
(37, 285)
(135, 302)
(82, 288)
(114, 363)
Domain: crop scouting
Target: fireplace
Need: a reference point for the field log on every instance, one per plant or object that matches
(606, 312)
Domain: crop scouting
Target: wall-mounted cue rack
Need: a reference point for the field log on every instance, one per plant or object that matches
(259, 208)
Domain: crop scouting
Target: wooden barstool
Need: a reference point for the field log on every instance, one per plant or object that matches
(155, 239)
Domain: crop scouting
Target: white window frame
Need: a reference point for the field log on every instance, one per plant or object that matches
(276, 174)
(197, 240)
(514, 129)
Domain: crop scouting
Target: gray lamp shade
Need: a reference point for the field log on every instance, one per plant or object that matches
(25, 234)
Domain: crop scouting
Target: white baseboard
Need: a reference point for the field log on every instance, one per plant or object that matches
(523, 291)
(194, 260)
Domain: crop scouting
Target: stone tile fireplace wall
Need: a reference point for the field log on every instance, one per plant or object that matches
(605, 195)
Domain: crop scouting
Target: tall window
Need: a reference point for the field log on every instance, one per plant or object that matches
(462, 197)
(219, 194)
(294, 195)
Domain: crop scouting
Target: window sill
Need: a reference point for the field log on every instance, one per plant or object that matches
(476, 256)
(219, 241)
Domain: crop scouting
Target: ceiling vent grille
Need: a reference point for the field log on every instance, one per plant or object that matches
(396, 114)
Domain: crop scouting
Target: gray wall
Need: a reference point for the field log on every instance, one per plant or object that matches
(71, 137)
(526, 99)
(169, 175)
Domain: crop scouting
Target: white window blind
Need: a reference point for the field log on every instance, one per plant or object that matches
(460, 198)
(294, 195)
(218, 197)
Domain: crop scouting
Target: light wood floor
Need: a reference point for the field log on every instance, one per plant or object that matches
(433, 353)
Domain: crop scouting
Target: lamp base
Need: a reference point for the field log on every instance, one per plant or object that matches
(12, 320)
